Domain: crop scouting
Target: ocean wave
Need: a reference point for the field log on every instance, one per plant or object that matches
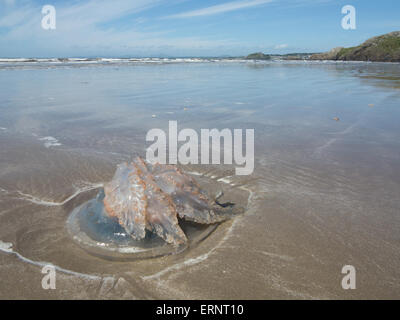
(50, 63)
(104, 60)
(113, 60)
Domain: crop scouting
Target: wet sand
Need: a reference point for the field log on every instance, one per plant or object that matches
(324, 193)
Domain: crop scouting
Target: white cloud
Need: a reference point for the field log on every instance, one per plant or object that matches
(82, 29)
(221, 8)
(99, 11)
(86, 27)
(281, 46)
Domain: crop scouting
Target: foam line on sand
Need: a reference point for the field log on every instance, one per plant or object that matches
(42, 202)
(7, 247)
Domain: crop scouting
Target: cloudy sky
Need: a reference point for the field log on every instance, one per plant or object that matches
(136, 28)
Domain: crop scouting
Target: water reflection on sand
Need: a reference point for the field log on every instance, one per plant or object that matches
(324, 193)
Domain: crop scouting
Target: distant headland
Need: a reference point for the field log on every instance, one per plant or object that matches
(384, 48)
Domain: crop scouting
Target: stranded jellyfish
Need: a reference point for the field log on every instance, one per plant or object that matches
(147, 210)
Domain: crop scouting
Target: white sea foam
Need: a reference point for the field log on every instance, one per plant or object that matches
(111, 60)
(52, 61)
(195, 173)
(6, 247)
(16, 60)
(225, 180)
(3, 190)
(50, 142)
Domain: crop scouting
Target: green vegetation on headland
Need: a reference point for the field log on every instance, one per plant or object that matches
(288, 56)
(258, 56)
(385, 48)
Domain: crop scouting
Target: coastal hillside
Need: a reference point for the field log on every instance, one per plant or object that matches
(258, 56)
(385, 48)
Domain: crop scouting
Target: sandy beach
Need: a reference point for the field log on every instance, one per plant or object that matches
(324, 193)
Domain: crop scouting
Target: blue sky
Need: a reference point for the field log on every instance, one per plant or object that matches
(123, 28)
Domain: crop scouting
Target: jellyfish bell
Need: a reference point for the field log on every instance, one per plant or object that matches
(96, 232)
(147, 211)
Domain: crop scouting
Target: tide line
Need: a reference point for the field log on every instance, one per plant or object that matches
(6, 247)
(36, 200)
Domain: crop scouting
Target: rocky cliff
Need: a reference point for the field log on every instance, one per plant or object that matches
(384, 48)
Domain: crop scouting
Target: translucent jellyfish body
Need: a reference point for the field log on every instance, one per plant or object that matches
(147, 210)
